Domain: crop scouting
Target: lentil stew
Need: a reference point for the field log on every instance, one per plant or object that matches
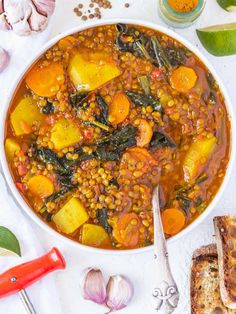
(102, 118)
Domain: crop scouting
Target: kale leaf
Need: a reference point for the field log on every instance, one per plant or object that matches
(102, 218)
(160, 140)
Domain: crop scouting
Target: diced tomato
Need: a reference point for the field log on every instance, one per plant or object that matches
(22, 169)
(157, 74)
(20, 186)
(21, 153)
(88, 134)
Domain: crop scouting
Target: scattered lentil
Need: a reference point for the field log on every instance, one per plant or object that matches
(97, 6)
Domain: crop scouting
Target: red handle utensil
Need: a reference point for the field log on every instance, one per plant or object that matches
(21, 276)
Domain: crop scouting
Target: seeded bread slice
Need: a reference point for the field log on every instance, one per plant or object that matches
(205, 290)
(225, 230)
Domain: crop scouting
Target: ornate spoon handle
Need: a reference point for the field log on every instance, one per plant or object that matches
(165, 294)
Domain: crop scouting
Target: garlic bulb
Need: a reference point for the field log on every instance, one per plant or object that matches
(93, 286)
(119, 293)
(4, 59)
(25, 16)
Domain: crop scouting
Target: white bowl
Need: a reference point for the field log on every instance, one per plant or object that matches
(170, 33)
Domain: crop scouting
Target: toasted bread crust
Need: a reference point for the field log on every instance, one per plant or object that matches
(225, 229)
(205, 291)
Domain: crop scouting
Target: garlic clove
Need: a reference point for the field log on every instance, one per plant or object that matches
(25, 16)
(93, 286)
(37, 21)
(119, 292)
(17, 14)
(4, 59)
(15, 10)
(45, 7)
(4, 26)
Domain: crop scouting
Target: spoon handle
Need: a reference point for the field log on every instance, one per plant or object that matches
(165, 294)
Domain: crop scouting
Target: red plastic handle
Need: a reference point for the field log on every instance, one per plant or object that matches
(23, 275)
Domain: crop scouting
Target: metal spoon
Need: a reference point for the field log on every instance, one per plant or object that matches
(165, 294)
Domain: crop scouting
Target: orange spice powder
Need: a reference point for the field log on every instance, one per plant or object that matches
(183, 5)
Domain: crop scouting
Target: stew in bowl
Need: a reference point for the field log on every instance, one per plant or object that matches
(104, 116)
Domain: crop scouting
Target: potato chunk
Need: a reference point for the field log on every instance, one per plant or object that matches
(25, 115)
(71, 216)
(65, 133)
(11, 148)
(197, 156)
(93, 235)
(89, 70)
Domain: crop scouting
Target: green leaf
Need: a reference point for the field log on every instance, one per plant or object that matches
(8, 242)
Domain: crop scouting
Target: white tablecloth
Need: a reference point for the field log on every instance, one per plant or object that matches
(138, 267)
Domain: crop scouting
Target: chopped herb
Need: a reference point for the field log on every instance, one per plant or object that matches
(211, 81)
(103, 117)
(201, 178)
(47, 216)
(47, 155)
(176, 57)
(143, 50)
(97, 124)
(102, 218)
(69, 163)
(112, 146)
(143, 100)
(181, 189)
(132, 40)
(119, 136)
(201, 207)
(212, 100)
(48, 108)
(160, 140)
(105, 154)
(198, 202)
(77, 99)
(114, 182)
(65, 180)
(184, 202)
(144, 82)
(160, 54)
(63, 191)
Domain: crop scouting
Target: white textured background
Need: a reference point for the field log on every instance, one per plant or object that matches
(139, 267)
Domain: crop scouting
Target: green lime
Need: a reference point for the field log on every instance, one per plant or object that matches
(228, 5)
(219, 40)
(9, 244)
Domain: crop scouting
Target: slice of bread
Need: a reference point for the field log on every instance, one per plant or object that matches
(205, 290)
(225, 230)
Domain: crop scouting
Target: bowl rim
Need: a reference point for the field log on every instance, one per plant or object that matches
(6, 171)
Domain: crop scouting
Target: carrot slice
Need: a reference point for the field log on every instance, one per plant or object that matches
(141, 154)
(145, 133)
(183, 79)
(40, 186)
(126, 229)
(173, 220)
(119, 108)
(45, 80)
(67, 42)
